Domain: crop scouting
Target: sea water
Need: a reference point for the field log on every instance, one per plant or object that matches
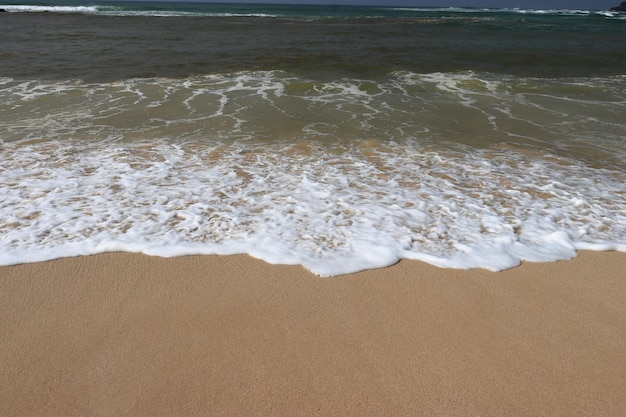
(337, 138)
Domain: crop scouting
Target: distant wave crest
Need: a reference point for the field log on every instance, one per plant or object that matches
(173, 9)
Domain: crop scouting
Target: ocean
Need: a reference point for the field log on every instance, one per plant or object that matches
(339, 138)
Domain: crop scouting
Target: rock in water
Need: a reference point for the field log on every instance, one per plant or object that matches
(620, 8)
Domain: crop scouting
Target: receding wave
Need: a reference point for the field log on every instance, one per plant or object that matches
(459, 170)
(334, 209)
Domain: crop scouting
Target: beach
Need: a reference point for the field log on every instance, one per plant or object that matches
(291, 210)
(132, 335)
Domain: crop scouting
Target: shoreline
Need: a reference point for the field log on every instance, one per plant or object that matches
(125, 334)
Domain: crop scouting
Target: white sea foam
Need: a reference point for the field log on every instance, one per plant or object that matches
(458, 170)
(113, 10)
(166, 10)
(335, 209)
(487, 10)
(24, 8)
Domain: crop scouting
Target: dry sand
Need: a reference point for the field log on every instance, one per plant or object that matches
(132, 335)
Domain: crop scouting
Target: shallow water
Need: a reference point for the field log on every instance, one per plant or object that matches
(337, 142)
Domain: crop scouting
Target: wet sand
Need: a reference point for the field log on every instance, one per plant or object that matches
(132, 335)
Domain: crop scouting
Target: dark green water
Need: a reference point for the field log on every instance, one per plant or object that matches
(132, 40)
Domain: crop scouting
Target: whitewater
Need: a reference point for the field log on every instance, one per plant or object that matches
(337, 139)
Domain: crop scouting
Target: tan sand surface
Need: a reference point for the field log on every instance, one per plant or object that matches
(132, 335)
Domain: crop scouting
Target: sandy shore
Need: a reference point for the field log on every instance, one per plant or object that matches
(131, 335)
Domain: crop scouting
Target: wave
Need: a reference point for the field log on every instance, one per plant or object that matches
(337, 176)
(575, 12)
(333, 209)
(27, 8)
(170, 9)
(122, 11)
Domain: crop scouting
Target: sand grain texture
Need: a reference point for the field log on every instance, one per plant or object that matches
(132, 335)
